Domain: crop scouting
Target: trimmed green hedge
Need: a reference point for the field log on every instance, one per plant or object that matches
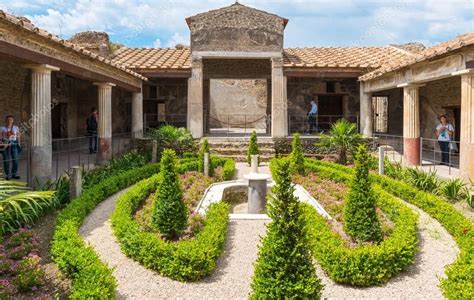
(367, 264)
(459, 283)
(187, 260)
(91, 278)
(228, 167)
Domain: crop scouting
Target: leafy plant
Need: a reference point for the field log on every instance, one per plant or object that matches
(343, 139)
(394, 169)
(169, 212)
(205, 149)
(452, 189)
(284, 268)
(297, 155)
(169, 137)
(29, 274)
(19, 206)
(425, 181)
(360, 217)
(253, 147)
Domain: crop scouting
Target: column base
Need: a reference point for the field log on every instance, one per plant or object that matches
(411, 151)
(105, 150)
(41, 164)
(466, 161)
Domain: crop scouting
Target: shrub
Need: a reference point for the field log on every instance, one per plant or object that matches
(452, 189)
(360, 218)
(170, 137)
(169, 211)
(343, 138)
(297, 155)
(253, 147)
(186, 260)
(363, 265)
(29, 274)
(394, 169)
(425, 181)
(205, 149)
(284, 267)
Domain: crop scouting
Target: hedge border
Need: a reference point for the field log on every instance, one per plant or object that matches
(459, 283)
(364, 265)
(187, 260)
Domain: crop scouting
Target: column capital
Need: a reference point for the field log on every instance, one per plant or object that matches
(196, 62)
(465, 72)
(104, 84)
(410, 85)
(41, 68)
(277, 62)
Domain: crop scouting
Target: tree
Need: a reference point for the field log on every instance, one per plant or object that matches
(204, 149)
(170, 214)
(360, 217)
(284, 267)
(343, 138)
(297, 155)
(253, 147)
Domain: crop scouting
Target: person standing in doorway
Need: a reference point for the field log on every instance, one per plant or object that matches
(10, 148)
(312, 117)
(92, 130)
(444, 132)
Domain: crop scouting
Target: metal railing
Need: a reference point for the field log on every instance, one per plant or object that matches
(431, 153)
(305, 124)
(235, 125)
(393, 145)
(158, 120)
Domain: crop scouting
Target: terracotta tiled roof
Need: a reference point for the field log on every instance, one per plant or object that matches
(429, 53)
(179, 59)
(27, 25)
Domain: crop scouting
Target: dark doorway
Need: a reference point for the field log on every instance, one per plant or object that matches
(329, 111)
(59, 118)
(457, 123)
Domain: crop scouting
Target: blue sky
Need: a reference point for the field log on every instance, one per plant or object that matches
(160, 23)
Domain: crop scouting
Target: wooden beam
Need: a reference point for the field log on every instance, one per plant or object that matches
(164, 73)
(28, 56)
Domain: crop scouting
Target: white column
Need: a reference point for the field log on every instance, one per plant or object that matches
(366, 113)
(105, 121)
(279, 100)
(137, 114)
(467, 126)
(411, 124)
(41, 143)
(195, 100)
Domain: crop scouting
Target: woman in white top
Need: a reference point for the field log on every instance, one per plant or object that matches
(444, 132)
(11, 141)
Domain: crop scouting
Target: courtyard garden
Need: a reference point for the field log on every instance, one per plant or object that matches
(141, 228)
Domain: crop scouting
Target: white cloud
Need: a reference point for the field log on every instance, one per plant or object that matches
(177, 39)
(157, 43)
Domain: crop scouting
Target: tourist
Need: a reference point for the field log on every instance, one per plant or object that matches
(444, 132)
(312, 117)
(10, 148)
(92, 130)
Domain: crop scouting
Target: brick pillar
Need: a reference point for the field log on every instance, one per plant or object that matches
(366, 113)
(137, 115)
(411, 124)
(105, 121)
(195, 100)
(41, 142)
(467, 126)
(279, 100)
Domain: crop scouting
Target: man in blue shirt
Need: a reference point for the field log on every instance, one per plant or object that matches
(312, 117)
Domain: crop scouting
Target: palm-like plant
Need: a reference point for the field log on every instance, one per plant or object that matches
(342, 139)
(19, 206)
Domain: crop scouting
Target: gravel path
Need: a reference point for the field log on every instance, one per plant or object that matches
(420, 281)
(231, 279)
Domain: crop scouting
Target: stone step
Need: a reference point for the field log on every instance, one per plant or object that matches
(243, 158)
(239, 145)
(231, 151)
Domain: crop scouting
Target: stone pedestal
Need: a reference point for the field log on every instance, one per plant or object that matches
(195, 100)
(206, 164)
(411, 124)
(154, 151)
(105, 122)
(257, 192)
(137, 115)
(41, 142)
(254, 164)
(466, 168)
(75, 182)
(279, 100)
(366, 113)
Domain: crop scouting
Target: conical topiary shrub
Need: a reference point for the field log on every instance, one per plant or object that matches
(297, 155)
(253, 147)
(284, 267)
(360, 217)
(170, 214)
(204, 149)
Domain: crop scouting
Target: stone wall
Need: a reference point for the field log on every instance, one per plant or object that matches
(15, 91)
(96, 42)
(236, 28)
(237, 68)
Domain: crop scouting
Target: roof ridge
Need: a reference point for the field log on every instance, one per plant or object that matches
(402, 50)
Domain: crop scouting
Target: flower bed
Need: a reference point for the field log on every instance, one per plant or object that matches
(364, 265)
(459, 283)
(186, 260)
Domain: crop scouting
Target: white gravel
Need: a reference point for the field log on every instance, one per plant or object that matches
(231, 279)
